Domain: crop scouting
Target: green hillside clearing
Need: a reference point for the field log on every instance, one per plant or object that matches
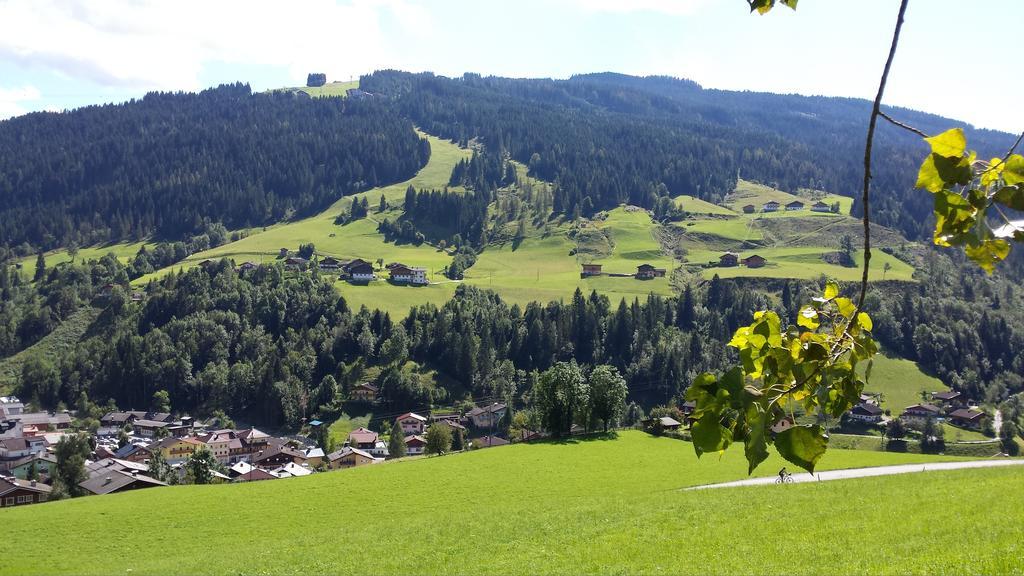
(901, 383)
(802, 262)
(597, 506)
(695, 205)
(53, 346)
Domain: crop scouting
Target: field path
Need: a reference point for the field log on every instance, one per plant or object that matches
(866, 472)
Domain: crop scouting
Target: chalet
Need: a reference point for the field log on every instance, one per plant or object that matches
(949, 399)
(487, 416)
(771, 206)
(253, 440)
(117, 419)
(296, 263)
(688, 407)
(119, 481)
(240, 468)
(446, 417)
(590, 270)
(749, 209)
(919, 413)
(866, 413)
(869, 398)
(330, 263)
(411, 423)
(247, 266)
(154, 416)
(407, 275)
(360, 272)
(728, 260)
(348, 457)
(794, 206)
(488, 442)
(15, 449)
(138, 296)
(646, 272)
(291, 470)
(453, 425)
(415, 444)
(176, 450)
(313, 457)
(666, 422)
(364, 392)
(968, 418)
(16, 492)
(393, 265)
(148, 428)
(11, 406)
(363, 439)
(221, 443)
(42, 461)
(754, 261)
(277, 456)
(45, 421)
(820, 206)
(135, 452)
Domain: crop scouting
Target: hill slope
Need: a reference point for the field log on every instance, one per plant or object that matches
(598, 506)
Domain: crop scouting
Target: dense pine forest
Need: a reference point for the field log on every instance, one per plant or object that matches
(609, 138)
(166, 163)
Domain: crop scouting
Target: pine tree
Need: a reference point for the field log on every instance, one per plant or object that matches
(40, 267)
(396, 443)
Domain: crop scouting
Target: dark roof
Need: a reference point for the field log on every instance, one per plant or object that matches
(12, 484)
(363, 268)
(107, 465)
(415, 439)
(967, 414)
(34, 418)
(346, 451)
(645, 267)
(271, 452)
(116, 480)
(368, 386)
(150, 423)
(495, 407)
(923, 408)
(819, 204)
(795, 203)
(488, 441)
(947, 395)
(867, 409)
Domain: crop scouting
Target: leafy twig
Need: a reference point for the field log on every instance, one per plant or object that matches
(903, 125)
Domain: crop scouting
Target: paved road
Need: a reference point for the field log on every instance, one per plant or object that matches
(866, 472)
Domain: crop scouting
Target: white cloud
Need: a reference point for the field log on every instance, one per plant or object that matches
(669, 7)
(153, 44)
(11, 99)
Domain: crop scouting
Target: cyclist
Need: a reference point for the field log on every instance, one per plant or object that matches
(782, 474)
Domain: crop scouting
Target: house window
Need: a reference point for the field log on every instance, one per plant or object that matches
(24, 499)
(9, 501)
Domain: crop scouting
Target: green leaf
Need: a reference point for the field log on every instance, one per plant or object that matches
(755, 446)
(864, 321)
(789, 3)
(709, 435)
(831, 290)
(761, 6)
(1013, 171)
(846, 307)
(928, 175)
(808, 318)
(954, 218)
(951, 143)
(802, 445)
(1010, 196)
(988, 253)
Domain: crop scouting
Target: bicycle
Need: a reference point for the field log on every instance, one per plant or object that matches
(784, 478)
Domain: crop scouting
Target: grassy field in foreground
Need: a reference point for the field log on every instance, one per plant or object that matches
(597, 506)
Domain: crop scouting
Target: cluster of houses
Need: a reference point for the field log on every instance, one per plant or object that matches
(949, 405)
(643, 272)
(794, 206)
(356, 271)
(27, 441)
(731, 260)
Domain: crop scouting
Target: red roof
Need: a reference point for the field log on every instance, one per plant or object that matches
(415, 440)
(412, 415)
(362, 436)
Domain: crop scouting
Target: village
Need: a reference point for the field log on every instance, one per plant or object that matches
(128, 443)
(354, 271)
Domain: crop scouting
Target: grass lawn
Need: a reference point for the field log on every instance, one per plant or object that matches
(695, 205)
(901, 382)
(596, 506)
(802, 262)
(955, 434)
(54, 346)
(339, 429)
(757, 194)
(735, 229)
(330, 89)
(124, 251)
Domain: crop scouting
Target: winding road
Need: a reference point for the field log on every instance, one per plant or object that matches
(866, 472)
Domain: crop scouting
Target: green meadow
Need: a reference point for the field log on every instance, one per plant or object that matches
(599, 506)
(695, 205)
(803, 262)
(901, 383)
(53, 347)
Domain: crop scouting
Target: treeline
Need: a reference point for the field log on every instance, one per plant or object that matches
(605, 139)
(163, 164)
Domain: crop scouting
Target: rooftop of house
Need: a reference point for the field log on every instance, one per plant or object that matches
(362, 436)
(116, 480)
(111, 464)
(495, 407)
(346, 451)
(923, 408)
(411, 416)
(415, 439)
(868, 408)
(967, 414)
(488, 441)
(36, 418)
(947, 395)
(12, 484)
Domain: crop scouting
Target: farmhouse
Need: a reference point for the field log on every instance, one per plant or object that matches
(771, 206)
(348, 457)
(488, 442)
(487, 416)
(949, 400)
(749, 209)
(358, 270)
(364, 392)
(728, 260)
(176, 450)
(405, 275)
(666, 422)
(246, 266)
(295, 263)
(795, 205)
(866, 413)
(918, 413)
(590, 270)
(968, 418)
(15, 492)
(415, 444)
(43, 462)
(330, 263)
(276, 456)
(363, 439)
(820, 206)
(754, 261)
(148, 428)
(411, 423)
(646, 272)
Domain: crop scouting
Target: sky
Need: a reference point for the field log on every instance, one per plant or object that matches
(954, 59)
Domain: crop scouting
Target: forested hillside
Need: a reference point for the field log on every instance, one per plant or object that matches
(169, 163)
(609, 138)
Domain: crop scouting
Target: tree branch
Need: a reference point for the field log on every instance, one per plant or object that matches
(902, 125)
(1012, 148)
(866, 194)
